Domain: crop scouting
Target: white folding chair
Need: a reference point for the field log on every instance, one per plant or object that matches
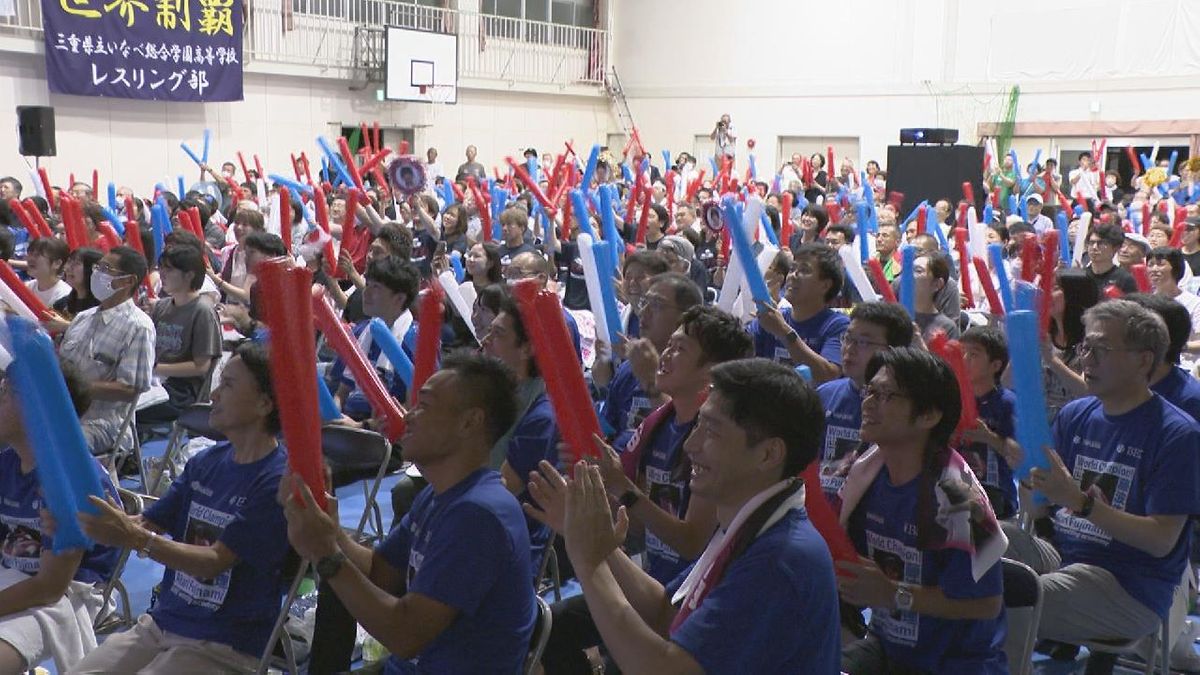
(192, 423)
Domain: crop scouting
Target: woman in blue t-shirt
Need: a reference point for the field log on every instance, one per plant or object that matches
(221, 535)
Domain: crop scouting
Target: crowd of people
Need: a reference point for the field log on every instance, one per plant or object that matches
(688, 525)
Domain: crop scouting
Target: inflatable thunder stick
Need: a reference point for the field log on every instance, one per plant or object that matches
(22, 292)
(1033, 431)
(328, 407)
(392, 350)
(880, 280)
(542, 315)
(591, 277)
(825, 519)
(908, 282)
(745, 253)
(429, 338)
(996, 252)
(989, 290)
(964, 265)
(293, 361)
(951, 352)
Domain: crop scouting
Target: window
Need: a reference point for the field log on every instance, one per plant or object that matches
(561, 12)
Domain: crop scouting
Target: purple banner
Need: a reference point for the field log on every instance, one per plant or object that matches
(160, 50)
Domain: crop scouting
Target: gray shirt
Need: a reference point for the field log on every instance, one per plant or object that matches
(183, 333)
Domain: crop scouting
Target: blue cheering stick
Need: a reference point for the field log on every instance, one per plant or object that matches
(864, 247)
(1016, 166)
(765, 220)
(66, 469)
(589, 170)
(335, 160)
(1013, 204)
(1064, 242)
(666, 154)
(326, 404)
(996, 253)
(753, 169)
(777, 184)
(191, 153)
(1033, 431)
(531, 167)
(160, 224)
(608, 222)
(448, 195)
(410, 339)
(182, 188)
(456, 263)
(1022, 208)
(626, 174)
(712, 161)
(745, 252)
(602, 250)
(581, 214)
(912, 215)
(207, 142)
(908, 283)
(112, 197)
(989, 214)
(1025, 296)
(295, 186)
(112, 217)
(931, 221)
(390, 346)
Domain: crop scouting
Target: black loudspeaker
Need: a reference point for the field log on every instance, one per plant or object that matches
(934, 172)
(929, 136)
(35, 125)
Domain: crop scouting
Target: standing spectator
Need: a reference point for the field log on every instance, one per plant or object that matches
(1085, 179)
(471, 167)
(433, 170)
(724, 139)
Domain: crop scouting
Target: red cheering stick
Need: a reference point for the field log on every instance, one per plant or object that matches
(896, 199)
(95, 182)
(485, 213)
(429, 338)
(23, 293)
(1177, 234)
(296, 168)
(285, 218)
(109, 238)
(822, 516)
(293, 358)
(829, 165)
(922, 215)
(1146, 213)
(995, 198)
(631, 203)
(378, 137)
(531, 185)
(349, 222)
(964, 267)
(968, 192)
(644, 219)
(18, 208)
(366, 137)
(1113, 293)
(835, 212)
(989, 289)
(806, 171)
(73, 222)
(694, 186)
(307, 173)
(258, 167)
(1141, 277)
(1133, 159)
(785, 220)
(242, 161)
(1029, 256)
(235, 189)
(197, 226)
(338, 336)
(881, 282)
(348, 159)
(1048, 179)
(1049, 262)
(376, 160)
(987, 161)
(555, 355)
(951, 352)
(35, 214)
(45, 176)
(322, 216)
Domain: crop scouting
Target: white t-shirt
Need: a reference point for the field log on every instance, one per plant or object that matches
(1088, 185)
(48, 297)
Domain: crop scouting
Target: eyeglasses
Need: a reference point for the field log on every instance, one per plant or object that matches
(848, 341)
(1088, 347)
(654, 302)
(1097, 243)
(105, 268)
(880, 395)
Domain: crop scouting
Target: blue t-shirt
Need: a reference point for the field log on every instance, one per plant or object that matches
(997, 409)
(670, 489)
(626, 406)
(1142, 462)
(356, 406)
(884, 528)
(1181, 390)
(843, 419)
(822, 332)
(21, 536)
(534, 438)
(774, 611)
(468, 548)
(217, 499)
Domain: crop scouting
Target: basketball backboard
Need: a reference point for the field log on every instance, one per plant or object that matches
(421, 66)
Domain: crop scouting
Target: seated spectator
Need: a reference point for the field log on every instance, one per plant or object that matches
(632, 393)
(482, 266)
(49, 600)
(113, 345)
(1168, 379)
(391, 240)
(651, 479)
(77, 272)
(1103, 242)
(531, 265)
(681, 257)
(514, 225)
(392, 284)
(187, 334)
(874, 326)
(931, 275)
(760, 598)
(1133, 251)
(208, 287)
(1165, 267)
(448, 590)
(808, 332)
(234, 270)
(1121, 484)
(221, 536)
(989, 447)
(45, 260)
(259, 246)
(935, 607)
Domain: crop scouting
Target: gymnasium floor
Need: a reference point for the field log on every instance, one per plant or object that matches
(140, 575)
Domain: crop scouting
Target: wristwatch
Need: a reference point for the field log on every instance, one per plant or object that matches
(792, 338)
(144, 551)
(629, 498)
(904, 598)
(330, 565)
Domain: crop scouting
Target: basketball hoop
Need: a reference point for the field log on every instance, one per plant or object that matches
(421, 89)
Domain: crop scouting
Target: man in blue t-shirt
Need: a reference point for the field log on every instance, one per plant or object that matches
(392, 284)
(221, 535)
(989, 447)
(448, 590)
(761, 599)
(631, 394)
(652, 480)
(932, 611)
(809, 332)
(638, 268)
(534, 436)
(41, 585)
(1169, 380)
(874, 326)
(1123, 479)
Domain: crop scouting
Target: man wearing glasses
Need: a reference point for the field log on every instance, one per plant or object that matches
(1121, 481)
(113, 345)
(1102, 244)
(531, 265)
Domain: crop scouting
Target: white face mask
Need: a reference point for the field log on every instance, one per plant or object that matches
(101, 285)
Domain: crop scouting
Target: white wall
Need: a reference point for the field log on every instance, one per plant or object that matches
(137, 142)
(864, 68)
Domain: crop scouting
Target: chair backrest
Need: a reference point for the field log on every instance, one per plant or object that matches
(131, 502)
(540, 636)
(1023, 604)
(194, 419)
(348, 449)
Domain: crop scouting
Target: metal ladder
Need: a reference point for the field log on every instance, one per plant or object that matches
(616, 96)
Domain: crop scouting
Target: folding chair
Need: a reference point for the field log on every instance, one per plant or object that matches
(1023, 604)
(549, 577)
(194, 422)
(354, 455)
(295, 569)
(107, 620)
(1151, 648)
(117, 455)
(540, 636)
